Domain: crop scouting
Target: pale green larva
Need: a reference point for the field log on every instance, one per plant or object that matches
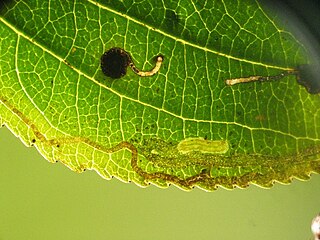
(202, 145)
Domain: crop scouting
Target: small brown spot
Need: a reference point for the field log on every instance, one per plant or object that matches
(260, 118)
(67, 63)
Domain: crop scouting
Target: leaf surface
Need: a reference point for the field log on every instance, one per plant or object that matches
(182, 126)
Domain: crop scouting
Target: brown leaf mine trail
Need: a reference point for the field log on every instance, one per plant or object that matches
(216, 170)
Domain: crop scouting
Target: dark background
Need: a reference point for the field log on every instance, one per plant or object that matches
(306, 12)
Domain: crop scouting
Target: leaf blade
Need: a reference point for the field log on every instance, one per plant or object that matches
(85, 116)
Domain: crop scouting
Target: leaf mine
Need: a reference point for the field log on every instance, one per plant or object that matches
(204, 146)
(307, 75)
(115, 61)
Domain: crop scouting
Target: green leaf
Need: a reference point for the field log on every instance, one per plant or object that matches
(182, 126)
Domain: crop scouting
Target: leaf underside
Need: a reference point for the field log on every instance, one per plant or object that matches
(182, 126)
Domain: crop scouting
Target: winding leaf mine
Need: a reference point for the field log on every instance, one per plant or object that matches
(179, 124)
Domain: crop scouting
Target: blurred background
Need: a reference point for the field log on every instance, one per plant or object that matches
(40, 200)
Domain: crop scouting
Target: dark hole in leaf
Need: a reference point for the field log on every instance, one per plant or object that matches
(114, 62)
(309, 76)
